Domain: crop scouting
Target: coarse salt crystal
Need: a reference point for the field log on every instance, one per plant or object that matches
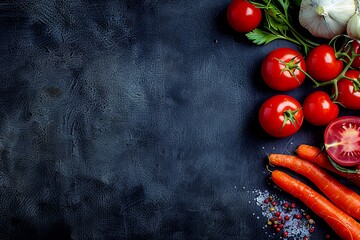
(295, 228)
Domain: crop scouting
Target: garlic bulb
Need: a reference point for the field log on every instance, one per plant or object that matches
(326, 18)
(353, 27)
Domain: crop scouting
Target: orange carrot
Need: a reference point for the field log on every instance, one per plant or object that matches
(315, 155)
(344, 225)
(342, 196)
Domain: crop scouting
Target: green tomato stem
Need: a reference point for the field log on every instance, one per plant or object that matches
(308, 76)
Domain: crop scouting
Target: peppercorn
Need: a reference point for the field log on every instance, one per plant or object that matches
(277, 214)
(286, 217)
(297, 216)
(293, 205)
(285, 234)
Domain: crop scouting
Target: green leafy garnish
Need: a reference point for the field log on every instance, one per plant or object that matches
(278, 25)
(261, 37)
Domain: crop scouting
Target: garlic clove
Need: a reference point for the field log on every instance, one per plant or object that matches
(353, 27)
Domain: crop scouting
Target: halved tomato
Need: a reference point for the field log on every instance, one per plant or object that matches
(342, 140)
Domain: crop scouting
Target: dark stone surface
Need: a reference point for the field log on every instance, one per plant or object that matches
(131, 120)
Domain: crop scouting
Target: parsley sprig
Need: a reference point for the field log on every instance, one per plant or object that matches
(278, 25)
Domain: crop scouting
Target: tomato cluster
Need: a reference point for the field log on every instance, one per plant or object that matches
(285, 69)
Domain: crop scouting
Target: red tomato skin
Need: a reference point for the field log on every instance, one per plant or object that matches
(322, 65)
(356, 46)
(318, 108)
(342, 135)
(347, 96)
(243, 16)
(272, 70)
(271, 116)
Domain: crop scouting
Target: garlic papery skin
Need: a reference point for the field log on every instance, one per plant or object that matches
(326, 18)
(353, 27)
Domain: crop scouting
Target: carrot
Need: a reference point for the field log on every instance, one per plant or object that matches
(315, 155)
(342, 196)
(344, 225)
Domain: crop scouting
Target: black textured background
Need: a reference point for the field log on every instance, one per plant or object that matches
(131, 120)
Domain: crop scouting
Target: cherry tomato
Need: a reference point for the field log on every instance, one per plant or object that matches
(356, 47)
(280, 69)
(349, 91)
(342, 140)
(281, 116)
(322, 64)
(243, 16)
(318, 108)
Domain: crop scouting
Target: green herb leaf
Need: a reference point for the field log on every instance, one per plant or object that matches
(260, 37)
(274, 21)
(285, 4)
(279, 25)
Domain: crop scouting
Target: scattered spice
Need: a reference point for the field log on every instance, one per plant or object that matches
(283, 218)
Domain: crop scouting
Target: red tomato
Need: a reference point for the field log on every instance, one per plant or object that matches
(281, 116)
(318, 108)
(243, 16)
(342, 140)
(322, 64)
(349, 91)
(280, 69)
(356, 46)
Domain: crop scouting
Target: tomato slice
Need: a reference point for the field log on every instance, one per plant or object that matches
(342, 140)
